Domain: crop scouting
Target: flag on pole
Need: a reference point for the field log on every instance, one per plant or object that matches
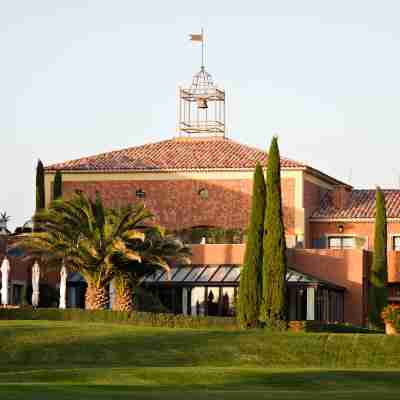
(196, 37)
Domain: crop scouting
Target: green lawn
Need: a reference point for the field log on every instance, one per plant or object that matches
(67, 360)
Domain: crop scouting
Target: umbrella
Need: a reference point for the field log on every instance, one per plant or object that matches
(63, 286)
(35, 284)
(5, 273)
(112, 293)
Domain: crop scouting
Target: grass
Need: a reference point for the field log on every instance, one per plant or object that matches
(67, 360)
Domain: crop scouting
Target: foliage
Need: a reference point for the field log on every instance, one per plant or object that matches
(136, 318)
(162, 319)
(251, 276)
(275, 325)
(378, 275)
(212, 235)
(273, 307)
(40, 191)
(391, 314)
(4, 217)
(147, 301)
(57, 185)
(318, 326)
(156, 251)
(88, 238)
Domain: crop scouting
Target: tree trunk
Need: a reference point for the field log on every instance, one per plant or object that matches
(123, 300)
(96, 298)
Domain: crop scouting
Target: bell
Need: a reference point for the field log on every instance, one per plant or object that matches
(201, 102)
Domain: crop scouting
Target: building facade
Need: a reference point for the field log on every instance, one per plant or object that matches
(202, 180)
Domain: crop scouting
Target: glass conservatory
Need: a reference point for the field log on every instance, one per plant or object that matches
(213, 289)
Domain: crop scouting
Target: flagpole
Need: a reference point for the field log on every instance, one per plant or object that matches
(202, 48)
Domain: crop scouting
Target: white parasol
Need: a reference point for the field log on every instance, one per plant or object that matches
(5, 274)
(35, 284)
(63, 287)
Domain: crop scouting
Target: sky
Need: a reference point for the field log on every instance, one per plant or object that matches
(79, 78)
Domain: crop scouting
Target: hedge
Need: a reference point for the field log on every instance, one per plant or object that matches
(136, 318)
(161, 320)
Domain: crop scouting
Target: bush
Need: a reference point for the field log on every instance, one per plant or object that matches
(163, 320)
(146, 301)
(136, 318)
(318, 326)
(391, 314)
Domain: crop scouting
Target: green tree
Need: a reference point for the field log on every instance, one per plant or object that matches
(251, 275)
(378, 296)
(158, 250)
(57, 185)
(273, 307)
(88, 238)
(40, 193)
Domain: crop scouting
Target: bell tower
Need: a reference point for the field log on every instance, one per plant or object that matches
(201, 106)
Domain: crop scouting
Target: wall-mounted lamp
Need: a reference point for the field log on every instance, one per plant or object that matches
(340, 228)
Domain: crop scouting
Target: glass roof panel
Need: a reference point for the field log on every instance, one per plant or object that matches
(167, 276)
(233, 275)
(207, 274)
(221, 273)
(194, 274)
(181, 274)
(154, 276)
(294, 276)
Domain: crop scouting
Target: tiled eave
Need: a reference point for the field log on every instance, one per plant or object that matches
(177, 171)
(355, 220)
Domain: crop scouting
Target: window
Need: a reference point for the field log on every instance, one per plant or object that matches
(396, 243)
(342, 242)
(17, 294)
(140, 194)
(203, 193)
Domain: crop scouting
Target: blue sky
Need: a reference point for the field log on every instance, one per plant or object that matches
(82, 77)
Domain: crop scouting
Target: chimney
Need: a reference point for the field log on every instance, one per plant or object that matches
(341, 196)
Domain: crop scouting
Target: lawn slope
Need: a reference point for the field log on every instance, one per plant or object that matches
(67, 360)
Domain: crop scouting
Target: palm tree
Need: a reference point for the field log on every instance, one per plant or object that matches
(88, 238)
(158, 250)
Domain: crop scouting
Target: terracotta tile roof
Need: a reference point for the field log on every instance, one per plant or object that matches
(361, 204)
(175, 154)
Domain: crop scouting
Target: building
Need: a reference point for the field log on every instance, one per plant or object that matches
(200, 181)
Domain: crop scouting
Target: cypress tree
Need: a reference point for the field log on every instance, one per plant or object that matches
(40, 194)
(57, 185)
(251, 274)
(273, 308)
(378, 296)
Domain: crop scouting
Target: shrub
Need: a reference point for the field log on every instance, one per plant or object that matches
(391, 314)
(147, 301)
(136, 318)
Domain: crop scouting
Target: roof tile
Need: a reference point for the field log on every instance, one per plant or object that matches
(175, 154)
(361, 204)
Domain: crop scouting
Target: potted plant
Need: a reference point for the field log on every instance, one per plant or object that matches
(391, 317)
